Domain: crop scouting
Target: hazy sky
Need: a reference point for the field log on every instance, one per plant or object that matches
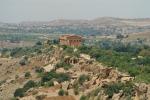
(46, 10)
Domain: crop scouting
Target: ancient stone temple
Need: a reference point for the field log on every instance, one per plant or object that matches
(71, 40)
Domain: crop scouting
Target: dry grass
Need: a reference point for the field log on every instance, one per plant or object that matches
(142, 36)
(60, 98)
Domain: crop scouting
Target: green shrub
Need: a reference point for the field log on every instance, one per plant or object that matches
(63, 77)
(83, 97)
(83, 78)
(48, 76)
(51, 75)
(28, 85)
(27, 75)
(61, 92)
(116, 87)
(63, 65)
(49, 84)
(19, 92)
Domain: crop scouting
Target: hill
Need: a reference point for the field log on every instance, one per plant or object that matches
(100, 26)
(48, 72)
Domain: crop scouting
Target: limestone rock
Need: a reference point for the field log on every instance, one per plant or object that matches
(55, 83)
(117, 96)
(48, 68)
(65, 85)
(60, 70)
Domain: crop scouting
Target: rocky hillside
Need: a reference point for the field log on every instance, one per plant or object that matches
(101, 26)
(58, 74)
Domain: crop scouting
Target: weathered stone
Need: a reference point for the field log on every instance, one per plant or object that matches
(65, 85)
(60, 70)
(117, 96)
(55, 83)
(143, 87)
(48, 68)
(85, 56)
(126, 79)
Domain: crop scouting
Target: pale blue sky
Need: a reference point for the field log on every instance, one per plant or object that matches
(46, 10)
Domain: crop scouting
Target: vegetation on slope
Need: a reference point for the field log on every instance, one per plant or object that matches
(134, 59)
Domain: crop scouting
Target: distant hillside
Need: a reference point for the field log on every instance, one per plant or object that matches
(101, 26)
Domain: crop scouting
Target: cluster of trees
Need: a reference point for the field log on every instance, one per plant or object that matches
(134, 59)
(111, 89)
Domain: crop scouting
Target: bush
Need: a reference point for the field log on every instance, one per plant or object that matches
(61, 92)
(27, 75)
(83, 97)
(64, 65)
(63, 77)
(19, 92)
(49, 84)
(50, 75)
(82, 79)
(115, 88)
(28, 85)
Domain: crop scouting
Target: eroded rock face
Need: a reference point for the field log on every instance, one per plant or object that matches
(117, 96)
(142, 87)
(65, 85)
(148, 92)
(142, 91)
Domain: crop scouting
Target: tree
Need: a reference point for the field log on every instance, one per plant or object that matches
(19, 92)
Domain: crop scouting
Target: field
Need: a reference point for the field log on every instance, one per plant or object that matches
(144, 36)
(11, 40)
